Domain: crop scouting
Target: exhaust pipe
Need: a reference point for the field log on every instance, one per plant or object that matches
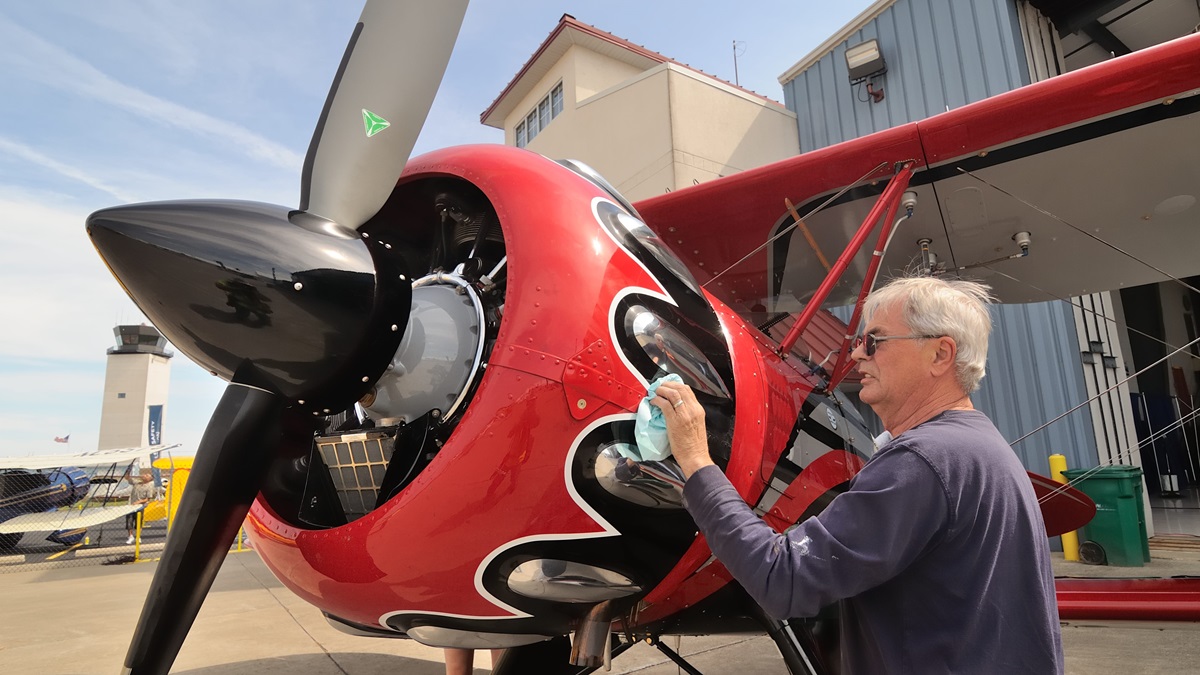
(590, 646)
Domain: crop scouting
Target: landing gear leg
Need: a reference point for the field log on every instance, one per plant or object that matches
(552, 657)
(796, 644)
(674, 656)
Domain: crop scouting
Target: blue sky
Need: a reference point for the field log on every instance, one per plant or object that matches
(114, 101)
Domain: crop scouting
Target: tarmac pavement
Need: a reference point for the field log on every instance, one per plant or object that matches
(78, 621)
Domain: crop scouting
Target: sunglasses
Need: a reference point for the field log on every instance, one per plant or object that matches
(870, 341)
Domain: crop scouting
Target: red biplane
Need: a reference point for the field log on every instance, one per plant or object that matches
(429, 430)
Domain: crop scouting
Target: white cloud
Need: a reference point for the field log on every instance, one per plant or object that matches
(59, 289)
(29, 154)
(53, 66)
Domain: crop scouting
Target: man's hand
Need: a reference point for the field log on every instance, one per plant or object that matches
(684, 417)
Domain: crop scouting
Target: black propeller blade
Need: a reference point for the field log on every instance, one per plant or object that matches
(297, 310)
(301, 320)
(233, 455)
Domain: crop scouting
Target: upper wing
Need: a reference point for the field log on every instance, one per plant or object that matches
(97, 458)
(1100, 166)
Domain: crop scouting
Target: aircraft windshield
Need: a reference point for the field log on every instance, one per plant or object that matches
(769, 271)
(772, 286)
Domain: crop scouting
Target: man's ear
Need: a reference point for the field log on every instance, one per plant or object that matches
(943, 356)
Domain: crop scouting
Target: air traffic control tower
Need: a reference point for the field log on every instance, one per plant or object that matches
(135, 389)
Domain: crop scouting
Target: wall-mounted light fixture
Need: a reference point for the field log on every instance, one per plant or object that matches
(864, 60)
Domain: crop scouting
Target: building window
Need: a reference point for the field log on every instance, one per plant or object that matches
(539, 118)
(531, 125)
(121, 394)
(556, 100)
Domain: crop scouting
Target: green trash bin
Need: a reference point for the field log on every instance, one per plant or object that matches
(1117, 534)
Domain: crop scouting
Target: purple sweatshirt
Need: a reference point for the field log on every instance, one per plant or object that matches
(937, 551)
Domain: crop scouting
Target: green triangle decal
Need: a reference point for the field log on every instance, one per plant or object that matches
(373, 123)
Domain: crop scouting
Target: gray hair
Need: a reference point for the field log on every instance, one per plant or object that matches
(952, 307)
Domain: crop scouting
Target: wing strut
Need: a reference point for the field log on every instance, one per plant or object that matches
(889, 201)
(844, 363)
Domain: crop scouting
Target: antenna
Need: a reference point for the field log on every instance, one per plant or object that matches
(735, 55)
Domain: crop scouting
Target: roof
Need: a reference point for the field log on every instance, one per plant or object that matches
(819, 342)
(836, 39)
(569, 32)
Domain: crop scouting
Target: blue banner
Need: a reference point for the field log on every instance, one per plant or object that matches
(154, 432)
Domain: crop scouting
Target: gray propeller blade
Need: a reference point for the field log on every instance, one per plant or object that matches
(376, 107)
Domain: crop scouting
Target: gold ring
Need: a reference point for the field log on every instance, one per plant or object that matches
(678, 403)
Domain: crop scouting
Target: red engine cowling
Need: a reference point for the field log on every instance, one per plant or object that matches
(491, 503)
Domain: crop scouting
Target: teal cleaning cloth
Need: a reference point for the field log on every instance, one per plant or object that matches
(649, 429)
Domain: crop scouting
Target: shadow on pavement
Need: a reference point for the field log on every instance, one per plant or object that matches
(334, 664)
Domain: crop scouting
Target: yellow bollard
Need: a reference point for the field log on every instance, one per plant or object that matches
(137, 538)
(1070, 540)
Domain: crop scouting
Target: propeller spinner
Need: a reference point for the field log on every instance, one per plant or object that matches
(293, 307)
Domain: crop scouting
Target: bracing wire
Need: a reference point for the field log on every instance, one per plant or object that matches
(1082, 231)
(1106, 391)
(1177, 424)
(1093, 312)
(796, 224)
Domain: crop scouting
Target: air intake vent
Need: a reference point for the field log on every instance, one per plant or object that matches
(357, 464)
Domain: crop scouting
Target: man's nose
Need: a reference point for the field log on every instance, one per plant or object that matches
(859, 352)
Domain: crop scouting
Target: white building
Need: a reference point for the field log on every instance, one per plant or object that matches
(646, 123)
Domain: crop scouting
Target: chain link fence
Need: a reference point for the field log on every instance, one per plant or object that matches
(107, 544)
(72, 517)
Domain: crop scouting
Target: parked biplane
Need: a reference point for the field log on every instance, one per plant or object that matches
(64, 494)
(430, 435)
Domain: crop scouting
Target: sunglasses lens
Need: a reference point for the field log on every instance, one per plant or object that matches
(867, 342)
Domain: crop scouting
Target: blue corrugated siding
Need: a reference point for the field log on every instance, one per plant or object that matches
(1035, 375)
(940, 54)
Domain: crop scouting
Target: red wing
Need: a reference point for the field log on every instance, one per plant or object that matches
(1110, 150)
(1064, 509)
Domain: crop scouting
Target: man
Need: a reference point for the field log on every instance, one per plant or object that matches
(937, 550)
(141, 493)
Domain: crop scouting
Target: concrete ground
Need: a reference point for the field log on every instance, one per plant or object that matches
(78, 621)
